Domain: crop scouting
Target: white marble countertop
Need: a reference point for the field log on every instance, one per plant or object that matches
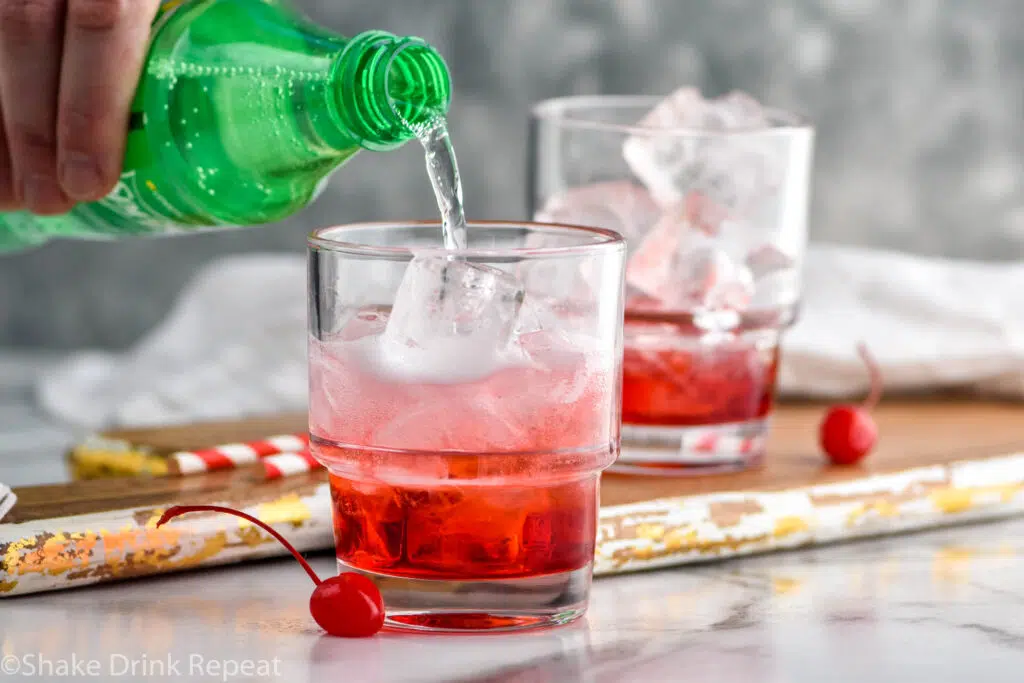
(943, 606)
(940, 606)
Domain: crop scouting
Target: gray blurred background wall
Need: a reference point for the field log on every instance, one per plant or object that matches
(919, 106)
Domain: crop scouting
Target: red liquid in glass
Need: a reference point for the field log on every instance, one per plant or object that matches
(672, 379)
(487, 477)
(465, 532)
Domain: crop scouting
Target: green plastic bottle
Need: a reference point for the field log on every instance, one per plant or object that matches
(243, 110)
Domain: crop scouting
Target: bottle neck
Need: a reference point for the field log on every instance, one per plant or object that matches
(387, 88)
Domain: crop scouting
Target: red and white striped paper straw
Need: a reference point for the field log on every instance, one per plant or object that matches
(232, 455)
(693, 449)
(721, 443)
(288, 464)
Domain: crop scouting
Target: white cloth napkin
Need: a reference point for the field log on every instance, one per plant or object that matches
(931, 324)
(235, 344)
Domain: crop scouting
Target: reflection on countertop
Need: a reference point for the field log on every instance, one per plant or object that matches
(939, 606)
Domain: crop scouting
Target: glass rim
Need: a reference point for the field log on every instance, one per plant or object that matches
(567, 112)
(609, 240)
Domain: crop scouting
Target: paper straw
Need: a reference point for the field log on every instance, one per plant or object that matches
(699, 449)
(232, 455)
(7, 500)
(721, 443)
(289, 464)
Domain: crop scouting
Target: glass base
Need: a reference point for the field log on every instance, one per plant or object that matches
(483, 605)
(692, 450)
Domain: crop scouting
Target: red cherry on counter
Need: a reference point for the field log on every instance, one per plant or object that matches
(348, 605)
(848, 432)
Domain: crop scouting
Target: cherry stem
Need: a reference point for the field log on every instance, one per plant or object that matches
(177, 510)
(875, 374)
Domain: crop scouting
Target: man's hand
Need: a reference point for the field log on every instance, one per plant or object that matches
(68, 72)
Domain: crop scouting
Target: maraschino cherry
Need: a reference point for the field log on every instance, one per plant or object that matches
(848, 432)
(348, 605)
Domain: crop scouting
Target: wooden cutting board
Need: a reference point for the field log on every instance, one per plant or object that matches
(937, 462)
(912, 434)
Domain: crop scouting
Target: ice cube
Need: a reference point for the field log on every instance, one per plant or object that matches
(549, 281)
(442, 297)
(706, 278)
(703, 213)
(686, 108)
(370, 522)
(560, 290)
(452, 321)
(649, 269)
(736, 111)
(443, 538)
(683, 269)
(622, 206)
(443, 421)
(767, 259)
(776, 290)
(755, 243)
(733, 171)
